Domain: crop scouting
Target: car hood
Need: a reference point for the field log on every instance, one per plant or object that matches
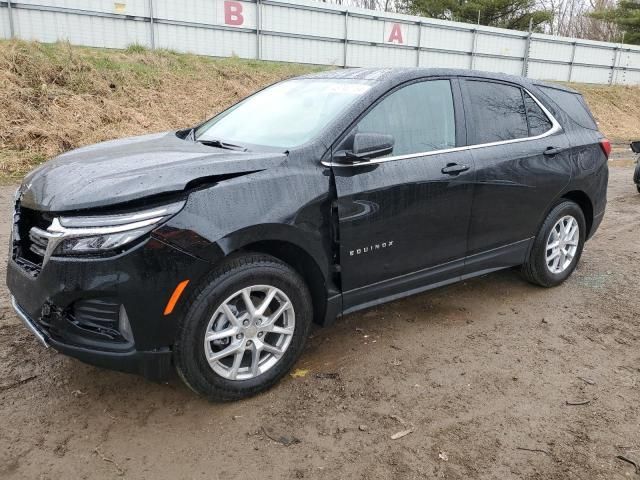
(128, 169)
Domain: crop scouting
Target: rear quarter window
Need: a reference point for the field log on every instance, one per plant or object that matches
(573, 105)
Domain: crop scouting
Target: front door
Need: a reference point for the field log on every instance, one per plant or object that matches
(403, 218)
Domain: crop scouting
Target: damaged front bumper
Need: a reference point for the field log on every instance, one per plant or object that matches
(76, 305)
(153, 365)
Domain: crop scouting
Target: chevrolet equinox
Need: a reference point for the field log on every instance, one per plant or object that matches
(213, 249)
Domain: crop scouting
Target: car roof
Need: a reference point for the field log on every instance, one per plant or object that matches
(398, 75)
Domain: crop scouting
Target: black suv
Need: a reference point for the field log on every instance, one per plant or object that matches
(635, 148)
(213, 249)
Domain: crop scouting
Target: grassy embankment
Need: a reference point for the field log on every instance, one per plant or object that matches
(54, 97)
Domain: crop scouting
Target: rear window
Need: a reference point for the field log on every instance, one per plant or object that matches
(573, 105)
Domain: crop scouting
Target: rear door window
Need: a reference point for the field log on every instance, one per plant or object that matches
(497, 112)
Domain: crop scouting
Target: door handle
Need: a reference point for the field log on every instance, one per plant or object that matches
(454, 169)
(551, 151)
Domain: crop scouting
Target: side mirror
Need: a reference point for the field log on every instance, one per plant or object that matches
(367, 146)
(635, 146)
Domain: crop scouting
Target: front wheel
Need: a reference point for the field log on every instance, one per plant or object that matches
(244, 329)
(557, 247)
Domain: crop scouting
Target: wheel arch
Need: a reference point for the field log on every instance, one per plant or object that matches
(305, 252)
(303, 263)
(586, 205)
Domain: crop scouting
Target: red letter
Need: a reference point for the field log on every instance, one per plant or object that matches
(396, 34)
(233, 13)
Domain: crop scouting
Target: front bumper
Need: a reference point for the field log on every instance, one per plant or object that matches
(141, 280)
(153, 365)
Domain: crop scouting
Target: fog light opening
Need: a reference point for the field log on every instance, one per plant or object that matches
(124, 326)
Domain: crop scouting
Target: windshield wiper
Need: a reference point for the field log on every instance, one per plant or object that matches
(221, 144)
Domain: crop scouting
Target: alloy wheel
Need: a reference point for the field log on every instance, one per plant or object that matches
(562, 244)
(249, 332)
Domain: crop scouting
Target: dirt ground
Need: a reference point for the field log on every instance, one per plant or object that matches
(495, 378)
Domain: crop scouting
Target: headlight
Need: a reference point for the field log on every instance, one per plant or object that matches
(99, 234)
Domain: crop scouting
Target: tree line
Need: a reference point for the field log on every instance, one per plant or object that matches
(604, 20)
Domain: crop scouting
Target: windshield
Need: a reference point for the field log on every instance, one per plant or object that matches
(284, 115)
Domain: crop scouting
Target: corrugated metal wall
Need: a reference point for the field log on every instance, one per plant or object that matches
(318, 33)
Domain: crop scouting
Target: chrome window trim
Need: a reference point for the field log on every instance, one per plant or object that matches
(555, 128)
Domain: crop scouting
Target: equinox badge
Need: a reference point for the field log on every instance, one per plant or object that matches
(371, 248)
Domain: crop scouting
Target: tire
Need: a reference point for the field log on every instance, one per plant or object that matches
(638, 187)
(259, 275)
(536, 269)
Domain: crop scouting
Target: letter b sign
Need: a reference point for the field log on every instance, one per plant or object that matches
(233, 13)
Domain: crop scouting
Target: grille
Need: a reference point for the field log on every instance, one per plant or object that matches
(29, 243)
(39, 242)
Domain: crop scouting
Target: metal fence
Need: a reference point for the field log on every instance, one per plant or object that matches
(318, 33)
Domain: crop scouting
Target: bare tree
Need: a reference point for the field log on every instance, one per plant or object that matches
(571, 19)
(380, 5)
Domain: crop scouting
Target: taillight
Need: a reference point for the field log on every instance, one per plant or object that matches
(606, 146)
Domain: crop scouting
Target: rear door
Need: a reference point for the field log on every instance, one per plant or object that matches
(522, 160)
(403, 218)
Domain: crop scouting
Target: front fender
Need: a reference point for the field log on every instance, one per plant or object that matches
(313, 243)
(289, 204)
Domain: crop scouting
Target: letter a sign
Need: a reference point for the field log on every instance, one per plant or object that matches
(395, 33)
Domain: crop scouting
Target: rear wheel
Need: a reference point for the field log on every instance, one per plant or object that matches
(557, 247)
(244, 329)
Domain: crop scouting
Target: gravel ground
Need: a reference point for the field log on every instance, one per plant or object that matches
(486, 375)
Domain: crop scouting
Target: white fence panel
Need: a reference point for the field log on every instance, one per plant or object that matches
(555, 52)
(122, 7)
(548, 71)
(302, 50)
(364, 29)
(92, 31)
(501, 46)
(630, 77)
(445, 60)
(629, 59)
(312, 32)
(446, 39)
(503, 65)
(206, 41)
(380, 56)
(594, 55)
(5, 28)
(584, 74)
(277, 18)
